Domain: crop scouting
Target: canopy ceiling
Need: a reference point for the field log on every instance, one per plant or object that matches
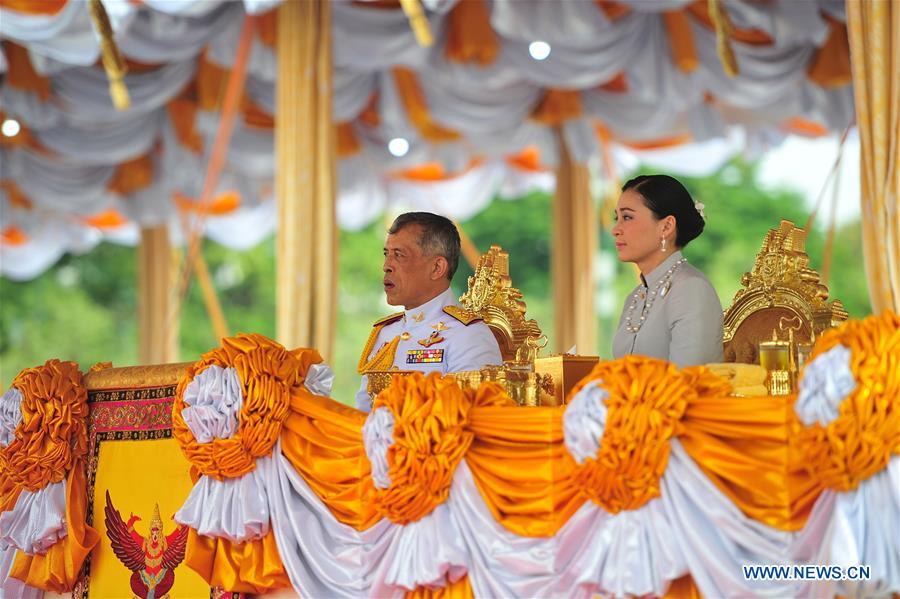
(478, 112)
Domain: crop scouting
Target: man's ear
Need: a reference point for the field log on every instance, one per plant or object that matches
(440, 268)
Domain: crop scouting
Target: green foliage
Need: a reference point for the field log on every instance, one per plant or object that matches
(84, 308)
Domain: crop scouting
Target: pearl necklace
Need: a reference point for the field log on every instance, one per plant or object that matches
(661, 289)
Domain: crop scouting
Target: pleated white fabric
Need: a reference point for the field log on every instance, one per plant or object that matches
(827, 380)
(10, 415)
(37, 521)
(213, 399)
(854, 528)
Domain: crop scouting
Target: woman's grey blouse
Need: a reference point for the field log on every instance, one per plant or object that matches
(683, 326)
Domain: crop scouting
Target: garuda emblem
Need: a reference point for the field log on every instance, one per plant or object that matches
(153, 558)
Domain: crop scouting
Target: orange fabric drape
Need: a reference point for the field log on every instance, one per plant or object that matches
(323, 440)
(522, 468)
(20, 73)
(470, 37)
(58, 569)
(558, 106)
(742, 445)
(348, 143)
(251, 567)
(416, 106)
(34, 7)
(13, 236)
(255, 116)
(132, 176)
(183, 114)
(461, 589)
(267, 27)
(15, 195)
(830, 67)
(108, 219)
(618, 84)
(681, 40)
(211, 82)
(528, 159)
(683, 588)
(613, 10)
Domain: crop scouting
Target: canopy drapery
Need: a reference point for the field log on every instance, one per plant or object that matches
(475, 105)
(875, 44)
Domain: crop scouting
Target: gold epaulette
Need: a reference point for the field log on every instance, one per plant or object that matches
(388, 319)
(382, 358)
(466, 317)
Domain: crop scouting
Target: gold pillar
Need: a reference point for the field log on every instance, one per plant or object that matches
(157, 336)
(572, 264)
(306, 298)
(874, 31)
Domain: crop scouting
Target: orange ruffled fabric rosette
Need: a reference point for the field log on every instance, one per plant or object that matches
(861, 440)
(50, 445)
(646, 404)
(431, 436)
(270, 376)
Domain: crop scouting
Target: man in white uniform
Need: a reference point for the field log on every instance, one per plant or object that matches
(432, 334)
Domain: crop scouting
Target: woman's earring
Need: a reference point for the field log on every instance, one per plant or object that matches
(664, 245)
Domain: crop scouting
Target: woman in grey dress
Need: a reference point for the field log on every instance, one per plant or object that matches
(675, 313)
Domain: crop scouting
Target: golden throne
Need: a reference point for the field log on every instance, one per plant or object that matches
(781, 297)
(491, 295)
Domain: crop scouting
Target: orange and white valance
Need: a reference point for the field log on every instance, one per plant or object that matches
(646, 74)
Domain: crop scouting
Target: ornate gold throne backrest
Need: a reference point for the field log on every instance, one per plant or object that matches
(492, 296)
(781, 294)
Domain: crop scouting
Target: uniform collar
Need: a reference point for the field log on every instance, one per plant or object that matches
(657, 273)
(430, 309)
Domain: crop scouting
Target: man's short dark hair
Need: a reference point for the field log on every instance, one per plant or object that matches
(439, 236)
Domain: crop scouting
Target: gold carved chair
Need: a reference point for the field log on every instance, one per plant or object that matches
(490, 294)
(781, 296)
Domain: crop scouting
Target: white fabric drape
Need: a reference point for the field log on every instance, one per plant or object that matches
(37, 521)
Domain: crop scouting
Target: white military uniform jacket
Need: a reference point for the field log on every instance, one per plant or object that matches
(428, 339)
(684, 322)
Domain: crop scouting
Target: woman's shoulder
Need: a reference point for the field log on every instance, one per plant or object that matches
(689, 283)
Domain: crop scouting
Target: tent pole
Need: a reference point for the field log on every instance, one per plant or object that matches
(572, 261)
(157, 336)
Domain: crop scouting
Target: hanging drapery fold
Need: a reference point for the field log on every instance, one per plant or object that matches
(874, 29)
(305, 180)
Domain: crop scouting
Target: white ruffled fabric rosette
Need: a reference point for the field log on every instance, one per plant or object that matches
(38, 519)
(848, 528)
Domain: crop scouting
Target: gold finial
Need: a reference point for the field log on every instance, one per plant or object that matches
(156, 521)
